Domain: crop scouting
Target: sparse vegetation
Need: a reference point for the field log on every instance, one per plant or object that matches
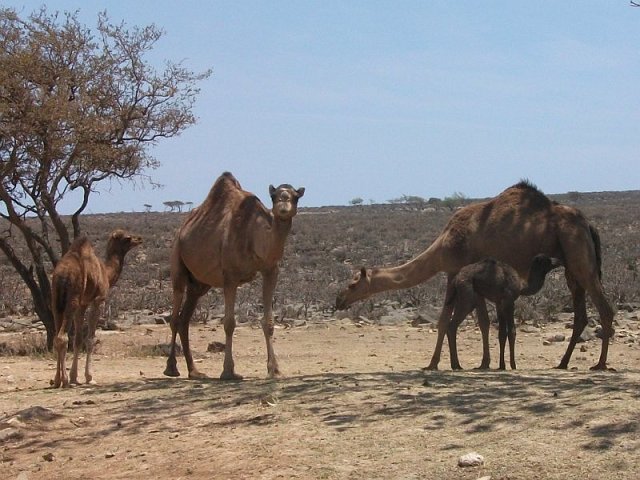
(326, 244)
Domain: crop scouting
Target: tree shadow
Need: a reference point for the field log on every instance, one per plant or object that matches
(477, 401)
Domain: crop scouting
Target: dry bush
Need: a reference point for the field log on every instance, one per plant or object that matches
(327, 244)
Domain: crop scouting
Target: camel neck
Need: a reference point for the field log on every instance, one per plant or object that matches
(415, 271)
(535, 281)
(113, 264)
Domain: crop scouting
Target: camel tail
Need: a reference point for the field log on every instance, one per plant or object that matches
(595, 236)
(60, 296)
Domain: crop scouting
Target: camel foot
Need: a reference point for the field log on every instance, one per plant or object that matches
(230, 376)
(197, 375)
(91, 382)
(275, 373)
(562, 366)
(171, 370)
(602, 367)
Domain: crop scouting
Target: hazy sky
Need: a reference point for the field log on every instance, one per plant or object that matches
(379, 99)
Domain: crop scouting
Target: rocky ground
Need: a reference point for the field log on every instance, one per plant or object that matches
(353, 404)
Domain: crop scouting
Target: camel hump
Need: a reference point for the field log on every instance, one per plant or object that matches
(81, 246)
(224, 184)
(531, 195)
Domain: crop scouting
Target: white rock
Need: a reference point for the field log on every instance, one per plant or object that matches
(471, 459)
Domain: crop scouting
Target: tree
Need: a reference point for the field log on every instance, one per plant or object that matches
(173, 205)
(147, 207)
(356, 201)
(457, 199)
(77, 109)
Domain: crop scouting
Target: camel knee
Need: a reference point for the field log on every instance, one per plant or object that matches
(60, 342)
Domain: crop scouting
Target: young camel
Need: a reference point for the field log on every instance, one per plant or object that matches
(81, 280)
(497, 282)
(224, 243)
(512, 227)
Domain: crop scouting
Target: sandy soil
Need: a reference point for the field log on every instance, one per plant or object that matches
(353, 404)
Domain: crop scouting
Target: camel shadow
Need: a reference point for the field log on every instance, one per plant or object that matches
(474, 401)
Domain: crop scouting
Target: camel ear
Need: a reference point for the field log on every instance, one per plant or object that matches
(300, 192)
(272, 190)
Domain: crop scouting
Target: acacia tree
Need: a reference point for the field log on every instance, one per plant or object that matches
(77, 108)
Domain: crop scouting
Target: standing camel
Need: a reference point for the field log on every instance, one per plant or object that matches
(224, 243)
(493, 280)
(81, 280)
(513, 227)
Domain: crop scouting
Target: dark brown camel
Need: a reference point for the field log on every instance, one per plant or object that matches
(513, 227)
(492, 280)
(81, 280)
(224, 243)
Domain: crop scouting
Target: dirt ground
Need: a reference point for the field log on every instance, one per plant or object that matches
(353, 404)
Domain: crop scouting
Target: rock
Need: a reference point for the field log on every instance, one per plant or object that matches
(420, 319)
(393, 318)
(587, 335)
(9, 433)
(48, 457)
(471, 459)
(546, 343)
(529, 329)
(216, 347)
(558, 337)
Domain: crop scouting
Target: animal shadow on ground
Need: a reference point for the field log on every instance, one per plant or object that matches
(473, 401)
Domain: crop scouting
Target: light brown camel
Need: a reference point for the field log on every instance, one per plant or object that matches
(512, 227)
(81, 280)
(224, 243)
(493, 280)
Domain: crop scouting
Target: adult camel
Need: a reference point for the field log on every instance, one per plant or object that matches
(224, 243)
(513, 227)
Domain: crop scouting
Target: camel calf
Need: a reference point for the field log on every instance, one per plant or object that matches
(499, 283)
(81, 280)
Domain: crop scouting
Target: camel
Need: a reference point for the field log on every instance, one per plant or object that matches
(497, 282)
(81, 280)
(513, 227)
(224, 243)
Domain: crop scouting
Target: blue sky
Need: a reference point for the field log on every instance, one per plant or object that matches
(377, 99)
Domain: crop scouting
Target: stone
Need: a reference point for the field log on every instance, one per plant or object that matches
(471, 459)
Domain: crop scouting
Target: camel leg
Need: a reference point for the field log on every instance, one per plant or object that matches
(228, 371)
(171, 369)
(507, 331)
(606, 313)
(502, 335)
(511, 335)
(579, 317)
(78, 321)
(194, 292)
(460, 312)
(484, 322)
(60, 342)
(443, 324)
(94, 313)
(269, 280)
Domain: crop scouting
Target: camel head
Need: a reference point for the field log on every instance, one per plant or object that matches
(285, 201)
(358, 289)
(545, 264)
(121, 242)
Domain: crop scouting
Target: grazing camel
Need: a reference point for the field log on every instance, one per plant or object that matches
(513, 227)
(497, 282)
(81, 280)
(224, 243)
